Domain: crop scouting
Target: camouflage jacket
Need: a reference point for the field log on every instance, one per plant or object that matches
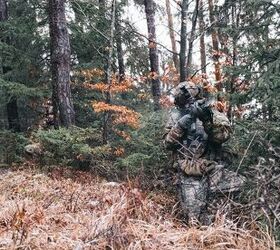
(191, 148)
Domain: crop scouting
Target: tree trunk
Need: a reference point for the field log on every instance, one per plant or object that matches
(153, 53)
(120, 51)
(202, 41)
(183, 40)
(3, 10)
(235, 25)
(215, 45)
(60, 64)
(12, 107)
(192, 37)
(12, 111)
(172, 34)
(108, 73)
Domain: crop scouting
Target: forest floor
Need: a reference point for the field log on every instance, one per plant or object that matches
(68, 209)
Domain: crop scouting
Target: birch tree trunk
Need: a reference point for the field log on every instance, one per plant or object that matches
(153, 53)
(191, 40)
(183, 40)
(202, 40)
(60, 64)
(172, 35)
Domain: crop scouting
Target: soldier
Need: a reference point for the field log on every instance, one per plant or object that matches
(196, 141)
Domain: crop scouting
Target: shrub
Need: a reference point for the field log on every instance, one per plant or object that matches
(67, 145)
(145, 151)
(11, 146)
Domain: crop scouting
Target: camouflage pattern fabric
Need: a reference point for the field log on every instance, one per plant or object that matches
(219, 130)
(223, 181)
(193, 192)
(200, 166)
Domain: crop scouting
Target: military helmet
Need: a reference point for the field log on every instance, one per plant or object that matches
(186, 92)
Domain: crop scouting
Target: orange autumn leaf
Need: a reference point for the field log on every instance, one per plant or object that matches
(121, 114)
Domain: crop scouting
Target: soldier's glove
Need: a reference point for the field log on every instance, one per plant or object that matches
(185, 122)
(202, 110)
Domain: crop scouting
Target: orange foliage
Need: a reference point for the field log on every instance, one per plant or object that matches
(221, 106)
(170, 76)
(119, 151)
(122, 134)
(88, 74)
(152, 45)
(121, 114)
(143, 96)
(114, 87)
(202, 79)
(153, 75)
(239, 111)
(165, 101)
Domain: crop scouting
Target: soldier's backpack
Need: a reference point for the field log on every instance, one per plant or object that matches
(219, 131)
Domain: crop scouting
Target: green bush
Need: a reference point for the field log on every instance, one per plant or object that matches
(11, 147)
(66, 145)
(145, 150)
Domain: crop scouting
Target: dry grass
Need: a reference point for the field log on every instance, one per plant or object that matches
(74, 210)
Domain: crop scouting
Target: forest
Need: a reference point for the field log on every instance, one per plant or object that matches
(86, 90)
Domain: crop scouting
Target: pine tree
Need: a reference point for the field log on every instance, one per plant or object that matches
(215, 44)
(202, 40)
(153, 53)
(183, 40)
(192, 38)
(12, 105)
(60, 65)
(172, 34)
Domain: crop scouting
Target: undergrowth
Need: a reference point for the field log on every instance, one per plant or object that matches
(68, 209)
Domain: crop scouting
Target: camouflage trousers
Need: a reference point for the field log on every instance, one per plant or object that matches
(195, 191)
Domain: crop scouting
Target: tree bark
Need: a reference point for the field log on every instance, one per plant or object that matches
(12, 107)
(120, 50)
(202, 40)
(215, 44)
(192, 38)
(153, 53)
(64, 114)
(183, 40)
(108, 73)
(3, 10)
(172, 34)
(235, 24)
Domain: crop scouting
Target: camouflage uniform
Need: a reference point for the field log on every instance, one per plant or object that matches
(200, 162)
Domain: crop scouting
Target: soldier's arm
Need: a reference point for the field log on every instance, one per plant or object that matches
(175, 130)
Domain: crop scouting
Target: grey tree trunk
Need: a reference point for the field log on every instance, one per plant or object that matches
(3, 10)
(202, 40)
(64, 114)
(183, 40)
(172, 34)
(192, 38)
(153, 53)
(12, 107)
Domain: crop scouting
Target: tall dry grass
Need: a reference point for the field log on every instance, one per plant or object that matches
(74, 210)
